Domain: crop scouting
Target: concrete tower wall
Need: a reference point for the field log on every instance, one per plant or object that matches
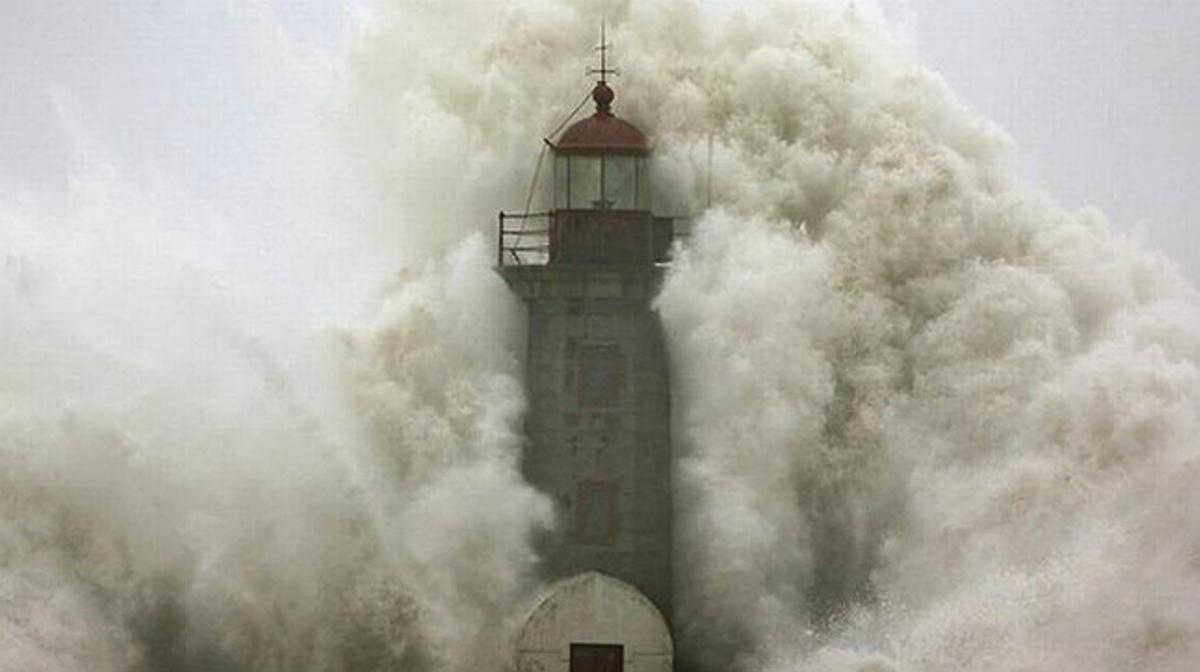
(599, 422)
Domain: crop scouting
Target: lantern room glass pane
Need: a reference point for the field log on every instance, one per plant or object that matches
(585, 183)
(643, 184)
(560, 182)
(620, 182)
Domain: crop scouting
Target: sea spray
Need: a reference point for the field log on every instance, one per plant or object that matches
(928, 420)
(199, 468)
(437, 382)
(944, 402)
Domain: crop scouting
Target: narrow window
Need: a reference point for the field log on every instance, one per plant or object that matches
(596, 513)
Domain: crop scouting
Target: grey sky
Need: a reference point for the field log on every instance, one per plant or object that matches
(1100, 96)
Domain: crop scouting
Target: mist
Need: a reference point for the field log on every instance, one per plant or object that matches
(270, 418)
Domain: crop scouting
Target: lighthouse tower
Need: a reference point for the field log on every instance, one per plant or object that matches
(598, 424)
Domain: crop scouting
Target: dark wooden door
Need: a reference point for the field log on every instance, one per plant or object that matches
(597, 658)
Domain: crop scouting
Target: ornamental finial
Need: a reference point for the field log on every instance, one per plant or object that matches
(602, 94)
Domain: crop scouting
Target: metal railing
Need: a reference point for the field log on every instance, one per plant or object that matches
(523, 244)
(524, 238)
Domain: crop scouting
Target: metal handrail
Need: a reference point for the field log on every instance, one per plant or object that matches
(518, 245)
(512, 249)
(524, 215)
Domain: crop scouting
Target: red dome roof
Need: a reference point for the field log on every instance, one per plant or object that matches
(603, 132)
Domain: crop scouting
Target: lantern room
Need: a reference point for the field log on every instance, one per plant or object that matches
(599, 211)
(600, 163)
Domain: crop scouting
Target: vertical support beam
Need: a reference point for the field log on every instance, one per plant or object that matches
(500, 240)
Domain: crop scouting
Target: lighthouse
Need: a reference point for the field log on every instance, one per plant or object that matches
(598, 424)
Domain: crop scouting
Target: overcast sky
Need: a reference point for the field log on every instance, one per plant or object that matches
(1100, 96)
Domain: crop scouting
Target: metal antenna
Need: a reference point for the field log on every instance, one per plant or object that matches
(604, 71)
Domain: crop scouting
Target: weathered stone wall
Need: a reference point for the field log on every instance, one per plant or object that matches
(599, 422)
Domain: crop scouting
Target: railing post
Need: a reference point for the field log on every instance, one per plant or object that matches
(500, 241)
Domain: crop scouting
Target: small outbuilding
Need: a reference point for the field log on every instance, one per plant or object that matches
(594, 623)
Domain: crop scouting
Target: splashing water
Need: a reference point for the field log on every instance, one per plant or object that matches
(954, 429)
